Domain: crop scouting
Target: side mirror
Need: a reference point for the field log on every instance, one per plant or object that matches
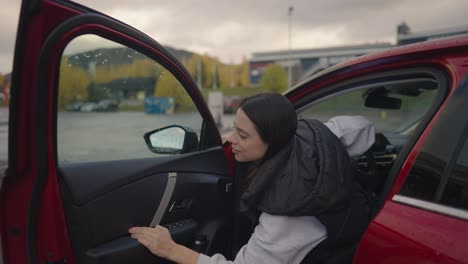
(172, 140)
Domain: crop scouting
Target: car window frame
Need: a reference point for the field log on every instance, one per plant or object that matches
(209, 134)
(431, 71)
(459, 141)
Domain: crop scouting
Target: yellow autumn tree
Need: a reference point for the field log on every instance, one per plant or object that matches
(207, 71)
(275, 79)
(226, 75)
(191, 65)
(243, 73)
(139, 68)
(167, 85)
(73, 84)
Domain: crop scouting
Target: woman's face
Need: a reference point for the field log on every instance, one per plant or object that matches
(247, 145)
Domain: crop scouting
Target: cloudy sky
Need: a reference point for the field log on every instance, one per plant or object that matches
(230, 30)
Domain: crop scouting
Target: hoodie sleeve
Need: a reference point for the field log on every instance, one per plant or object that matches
(357, 133)
(276, 240)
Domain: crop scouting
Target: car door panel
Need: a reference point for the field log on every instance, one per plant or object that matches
(98, 221)
(121, 250)
(89, 180)
(404, 234)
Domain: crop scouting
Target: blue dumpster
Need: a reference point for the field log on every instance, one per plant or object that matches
(159, 105)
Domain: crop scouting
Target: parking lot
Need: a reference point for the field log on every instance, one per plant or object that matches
(92, 136)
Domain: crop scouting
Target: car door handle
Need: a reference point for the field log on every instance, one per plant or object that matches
(180, 205)
(171, 182)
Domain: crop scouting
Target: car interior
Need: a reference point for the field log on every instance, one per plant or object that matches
(398, 108)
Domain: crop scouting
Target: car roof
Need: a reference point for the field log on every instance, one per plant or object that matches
(420, 47)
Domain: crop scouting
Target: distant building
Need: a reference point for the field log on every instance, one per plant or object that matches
(131, 88)
(405, 36)
(306, 62)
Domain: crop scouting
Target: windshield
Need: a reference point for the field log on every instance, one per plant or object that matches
(393, 108)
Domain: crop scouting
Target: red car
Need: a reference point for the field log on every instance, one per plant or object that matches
(77, 182)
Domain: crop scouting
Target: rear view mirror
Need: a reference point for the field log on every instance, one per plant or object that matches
(384, 102)
(378, 98)
(172, 140)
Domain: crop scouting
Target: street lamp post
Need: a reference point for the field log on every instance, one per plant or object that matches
(291, 8)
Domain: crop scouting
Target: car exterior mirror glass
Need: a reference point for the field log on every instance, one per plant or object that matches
(168, 140)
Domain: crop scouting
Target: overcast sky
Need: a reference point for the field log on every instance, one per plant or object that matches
(230, 30)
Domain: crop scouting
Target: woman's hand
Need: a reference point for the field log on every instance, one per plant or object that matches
(157, 240)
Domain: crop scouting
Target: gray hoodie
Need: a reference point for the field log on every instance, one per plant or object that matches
(357, 133)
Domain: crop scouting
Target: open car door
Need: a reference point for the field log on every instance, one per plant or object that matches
(84, 90)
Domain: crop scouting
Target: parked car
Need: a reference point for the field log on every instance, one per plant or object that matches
(80, 211)
(74, 107)
(231, 103)
(88, 107)
(107, 105)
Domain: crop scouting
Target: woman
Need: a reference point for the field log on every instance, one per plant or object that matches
(299, 185)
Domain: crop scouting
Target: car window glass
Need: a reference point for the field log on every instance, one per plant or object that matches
(395, 108)
(386, 120)
(456, 190)
(428, 174)
(110, 96)
(425, 175)
(439, 173)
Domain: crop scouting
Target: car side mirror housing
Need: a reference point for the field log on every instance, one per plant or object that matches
(173, 139)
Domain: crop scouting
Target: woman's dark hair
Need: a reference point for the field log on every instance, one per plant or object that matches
(274, 118)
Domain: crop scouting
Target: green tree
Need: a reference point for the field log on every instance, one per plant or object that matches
(274, 79)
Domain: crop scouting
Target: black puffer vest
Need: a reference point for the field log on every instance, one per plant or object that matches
(313, 176)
